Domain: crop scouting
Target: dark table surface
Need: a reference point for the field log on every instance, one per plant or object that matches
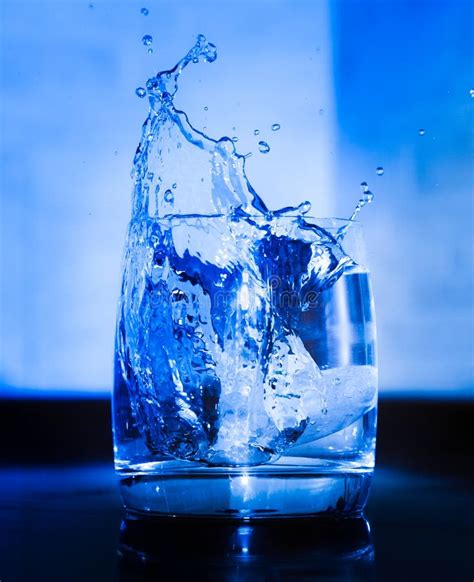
(64, 521)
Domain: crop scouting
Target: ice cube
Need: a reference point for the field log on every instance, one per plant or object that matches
(351, 391)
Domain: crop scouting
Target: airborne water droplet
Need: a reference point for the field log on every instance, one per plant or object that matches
(175, 186)
(276, 127)
(263, 147)
(144, 11)
(380, 171)
(321, 112)
(364, 187)
(256, 132)
(235, 139)
(206, 108)
(147, 40)
(421, 131)
(169, 196)
(140, 92)
(471, 92)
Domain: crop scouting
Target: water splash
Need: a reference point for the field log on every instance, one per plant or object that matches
(365, 199)
(187, 358)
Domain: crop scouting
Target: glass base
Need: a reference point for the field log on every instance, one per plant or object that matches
(269, 492)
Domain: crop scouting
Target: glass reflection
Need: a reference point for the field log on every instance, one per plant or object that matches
(306, 549)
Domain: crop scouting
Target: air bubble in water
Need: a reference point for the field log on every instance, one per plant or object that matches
(421, 131)
(380, 171)
(147, 40)
(263, 147)
(140, 92)
(144, 11)
(276, 127)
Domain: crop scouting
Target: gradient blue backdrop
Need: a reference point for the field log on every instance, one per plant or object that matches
(350, 82)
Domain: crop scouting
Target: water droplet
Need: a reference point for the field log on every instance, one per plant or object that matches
(421, 131)
(115, 153)
(276, 127)
(380, 171)
(169, 196)
(206, 108)
(471, 92)
(150, 50)
(321, 112)
(263, 147)
(304, 207)
(235, 139)
(337, 381)
(140, 92)
(324, 411)
(256, 132)
(147, 40)
(364, 187)
(144, 11)
(175, 186)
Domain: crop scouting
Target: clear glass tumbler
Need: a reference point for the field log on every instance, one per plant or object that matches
(216, 417)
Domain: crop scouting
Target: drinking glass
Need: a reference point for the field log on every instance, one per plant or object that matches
(217, 415)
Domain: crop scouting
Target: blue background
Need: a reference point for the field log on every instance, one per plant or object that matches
(350, 82)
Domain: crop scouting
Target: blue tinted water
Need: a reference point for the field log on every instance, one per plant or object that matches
(216, 359)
